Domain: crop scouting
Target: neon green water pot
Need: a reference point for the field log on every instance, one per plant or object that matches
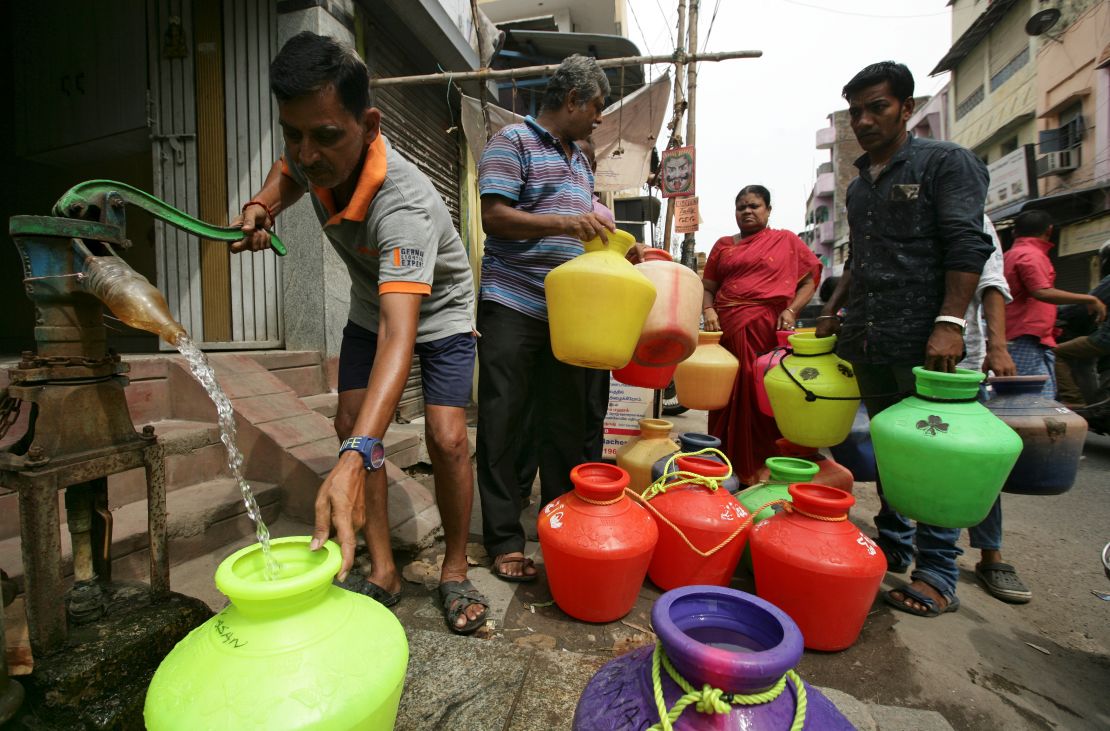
(813, 393)
(942, 456)
(785, 471)
(294, 653)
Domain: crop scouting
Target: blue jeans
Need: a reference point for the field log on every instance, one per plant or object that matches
(987, 536)
(934, 547)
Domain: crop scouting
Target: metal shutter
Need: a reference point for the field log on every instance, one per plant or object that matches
(419, 123)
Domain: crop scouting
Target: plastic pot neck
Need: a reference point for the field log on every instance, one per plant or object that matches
(598, 481)
(726, 638)
(821, 500)
(652, 254)
(963, 385)
(791, 469)
(655, 428)
(709, 338)
(619, 243)
(810, 344)
(703, 466)
(305, 577)
(694, 441)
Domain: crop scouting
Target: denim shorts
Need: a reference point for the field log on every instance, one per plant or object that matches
(446, 364)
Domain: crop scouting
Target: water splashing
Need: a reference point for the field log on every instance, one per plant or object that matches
(202, 371)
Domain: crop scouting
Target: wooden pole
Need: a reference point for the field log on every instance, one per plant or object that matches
(676, 115)
(689, 258)
(480, 34)
(525, 71)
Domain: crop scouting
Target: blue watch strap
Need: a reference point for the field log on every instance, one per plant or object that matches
(371, 449)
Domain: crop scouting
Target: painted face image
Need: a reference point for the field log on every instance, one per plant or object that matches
(678, 173)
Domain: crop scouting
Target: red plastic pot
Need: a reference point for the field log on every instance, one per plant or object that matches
(635, 374)
(823, 573)
(706, 517)
(597, 544)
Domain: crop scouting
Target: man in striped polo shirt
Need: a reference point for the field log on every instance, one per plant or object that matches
(537, 208)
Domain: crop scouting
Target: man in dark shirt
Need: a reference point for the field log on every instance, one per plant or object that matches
(917, 248)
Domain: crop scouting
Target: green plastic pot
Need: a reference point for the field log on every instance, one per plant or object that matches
(785, 471)
(942, 456)
(297, 652)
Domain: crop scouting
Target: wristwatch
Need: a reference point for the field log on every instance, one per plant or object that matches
(962, 324)
(371, 449)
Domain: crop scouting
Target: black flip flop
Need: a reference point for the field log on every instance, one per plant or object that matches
(359, 584)
(931, 610)
(521, 578)
(457, 596)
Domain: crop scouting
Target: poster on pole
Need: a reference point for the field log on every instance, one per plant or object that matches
(686, 215)
(677, 164)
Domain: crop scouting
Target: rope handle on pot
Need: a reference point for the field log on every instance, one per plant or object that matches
(681, 477)
(704, 554)
(710, 700)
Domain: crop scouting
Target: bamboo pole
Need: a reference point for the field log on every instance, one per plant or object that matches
(479, 33)
(689, 258)
(676, 113)
(525, 71)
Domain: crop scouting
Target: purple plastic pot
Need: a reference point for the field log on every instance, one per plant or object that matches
(732, 640)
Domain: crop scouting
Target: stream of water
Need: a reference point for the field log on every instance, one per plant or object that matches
(202, 371)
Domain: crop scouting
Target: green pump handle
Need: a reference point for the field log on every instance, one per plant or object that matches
(83, 193)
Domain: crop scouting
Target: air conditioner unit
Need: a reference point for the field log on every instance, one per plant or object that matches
(1057, 163)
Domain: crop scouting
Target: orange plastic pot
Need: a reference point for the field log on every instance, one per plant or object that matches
(705, 380)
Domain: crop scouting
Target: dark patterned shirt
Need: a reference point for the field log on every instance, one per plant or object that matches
(921, 218)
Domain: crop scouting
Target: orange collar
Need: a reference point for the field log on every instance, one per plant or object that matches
(369, 181)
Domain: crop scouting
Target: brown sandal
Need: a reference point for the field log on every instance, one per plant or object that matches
(520, 578)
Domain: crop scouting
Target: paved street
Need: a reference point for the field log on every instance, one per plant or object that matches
(1045, 665)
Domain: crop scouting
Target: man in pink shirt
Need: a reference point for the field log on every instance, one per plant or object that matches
(1031, 316)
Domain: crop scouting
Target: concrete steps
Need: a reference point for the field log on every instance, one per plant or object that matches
(200, 518)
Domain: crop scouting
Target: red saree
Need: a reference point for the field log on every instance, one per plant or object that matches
(757, 278)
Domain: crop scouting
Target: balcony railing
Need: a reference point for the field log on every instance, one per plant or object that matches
(826, 138)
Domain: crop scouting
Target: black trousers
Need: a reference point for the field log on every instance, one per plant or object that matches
(517, 375)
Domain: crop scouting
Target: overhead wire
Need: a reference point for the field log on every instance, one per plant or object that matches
(863, 15)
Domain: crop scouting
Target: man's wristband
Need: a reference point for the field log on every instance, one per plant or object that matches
(962, 324)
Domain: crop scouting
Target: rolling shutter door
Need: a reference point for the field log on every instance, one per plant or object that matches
(418, 122)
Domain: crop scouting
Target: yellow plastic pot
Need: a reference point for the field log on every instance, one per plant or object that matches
(813, 393)
(639, 455)
(597, 304)
(297, 652)
(705, 380)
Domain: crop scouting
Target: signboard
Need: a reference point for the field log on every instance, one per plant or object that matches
(627, 405)
(1086, 236)
(1013, 179)
(677, 165)
(686, 215)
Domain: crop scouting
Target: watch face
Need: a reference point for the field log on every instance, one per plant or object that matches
(377, 455)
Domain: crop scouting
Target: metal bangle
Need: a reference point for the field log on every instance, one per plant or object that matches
(828, 317)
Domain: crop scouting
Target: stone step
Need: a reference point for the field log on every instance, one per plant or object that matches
(194, 454)
(325, 404)
(200, 518)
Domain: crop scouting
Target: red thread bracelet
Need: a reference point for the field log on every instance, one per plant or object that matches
(265, 207)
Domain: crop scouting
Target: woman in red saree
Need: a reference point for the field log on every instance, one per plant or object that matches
(755, 283)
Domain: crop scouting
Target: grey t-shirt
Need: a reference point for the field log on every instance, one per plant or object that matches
(396, 235)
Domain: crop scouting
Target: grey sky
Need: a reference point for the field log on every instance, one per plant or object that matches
(757, 119)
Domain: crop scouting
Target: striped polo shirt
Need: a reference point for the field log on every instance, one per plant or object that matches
(526, 164)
